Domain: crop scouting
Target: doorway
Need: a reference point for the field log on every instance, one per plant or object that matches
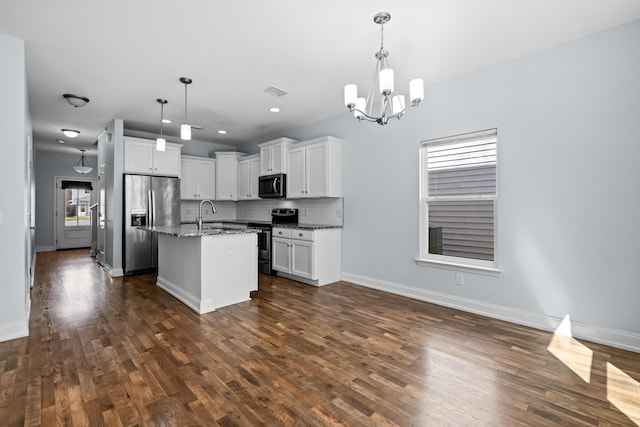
(74, 198)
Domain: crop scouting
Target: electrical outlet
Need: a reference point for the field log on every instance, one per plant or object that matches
(459, 279)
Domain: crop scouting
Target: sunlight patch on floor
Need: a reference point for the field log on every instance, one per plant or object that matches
(623, 392)
(575, 355)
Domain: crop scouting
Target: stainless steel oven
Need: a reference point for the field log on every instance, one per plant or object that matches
(278, 216)
(264, 246)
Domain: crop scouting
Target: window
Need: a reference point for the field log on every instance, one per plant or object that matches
(458, 200)
(77, 202)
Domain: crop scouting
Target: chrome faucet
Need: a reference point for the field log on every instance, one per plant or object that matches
(199, 218)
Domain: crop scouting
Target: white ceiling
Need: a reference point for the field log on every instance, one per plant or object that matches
(123, 54)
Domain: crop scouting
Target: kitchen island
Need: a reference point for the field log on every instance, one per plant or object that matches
(209, 268)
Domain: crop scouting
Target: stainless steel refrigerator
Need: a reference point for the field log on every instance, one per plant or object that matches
(148, 201)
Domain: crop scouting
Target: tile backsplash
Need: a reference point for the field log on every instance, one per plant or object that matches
(310, 211)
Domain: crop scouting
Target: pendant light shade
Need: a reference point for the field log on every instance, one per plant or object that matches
(185, 132)
(185, 128)
(83, 165)
(161, 142)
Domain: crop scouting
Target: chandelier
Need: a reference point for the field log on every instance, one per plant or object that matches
(383, 103)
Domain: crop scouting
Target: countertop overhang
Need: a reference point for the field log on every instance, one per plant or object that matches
(189, 230)
(274, 225)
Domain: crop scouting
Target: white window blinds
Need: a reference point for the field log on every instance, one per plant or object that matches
(461, 195)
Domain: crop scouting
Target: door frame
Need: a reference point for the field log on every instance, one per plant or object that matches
(56, 179)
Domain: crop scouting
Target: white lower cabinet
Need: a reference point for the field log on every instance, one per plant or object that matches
(311, 256)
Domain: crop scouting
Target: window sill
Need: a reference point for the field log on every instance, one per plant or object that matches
(489, 271)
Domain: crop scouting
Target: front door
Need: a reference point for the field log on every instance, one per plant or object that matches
(74, 198)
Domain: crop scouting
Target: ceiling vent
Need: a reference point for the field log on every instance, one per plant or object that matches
(272, 90)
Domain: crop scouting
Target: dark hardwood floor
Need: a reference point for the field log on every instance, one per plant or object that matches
(121, 351)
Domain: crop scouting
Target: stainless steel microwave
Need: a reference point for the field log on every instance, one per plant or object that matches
(272, 186)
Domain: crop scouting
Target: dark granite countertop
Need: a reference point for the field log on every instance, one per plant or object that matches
(245, 222)
(307, 226)
(189, 230)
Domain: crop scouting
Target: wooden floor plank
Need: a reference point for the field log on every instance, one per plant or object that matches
(122, 352)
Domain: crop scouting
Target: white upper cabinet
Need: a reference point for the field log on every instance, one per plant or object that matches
(273, 156)
(198, 178)
(141, 156)
(227, 174)
(248, 173)
(315, 168)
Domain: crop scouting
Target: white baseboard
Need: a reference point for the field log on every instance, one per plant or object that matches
(614, 338)
(112, 272)
(45, 248)
(33, 275)
(190, 300)
(14, 330)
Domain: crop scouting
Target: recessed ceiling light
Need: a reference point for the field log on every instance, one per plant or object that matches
(167, 121)
(222, 132)
(274, 109)
(71, 133)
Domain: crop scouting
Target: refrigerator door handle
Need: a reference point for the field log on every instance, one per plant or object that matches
(153, 206)
(150, 208)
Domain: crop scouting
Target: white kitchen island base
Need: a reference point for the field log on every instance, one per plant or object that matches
(210, 271)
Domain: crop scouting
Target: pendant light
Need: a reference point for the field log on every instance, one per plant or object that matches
(185, 128)
(161, 142)
(83, 165)
(383, 103)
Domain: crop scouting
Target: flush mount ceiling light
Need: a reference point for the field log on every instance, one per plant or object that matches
(83, 165)
(185, 128)
(71, 133)
(222, 132)
(76, 100)
(161, 142)
(274, 109)
(389, 103)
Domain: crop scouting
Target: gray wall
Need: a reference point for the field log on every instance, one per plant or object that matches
(14, 229)
(49, 165)
(192, 148)
(568, 122)
(110, 153)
